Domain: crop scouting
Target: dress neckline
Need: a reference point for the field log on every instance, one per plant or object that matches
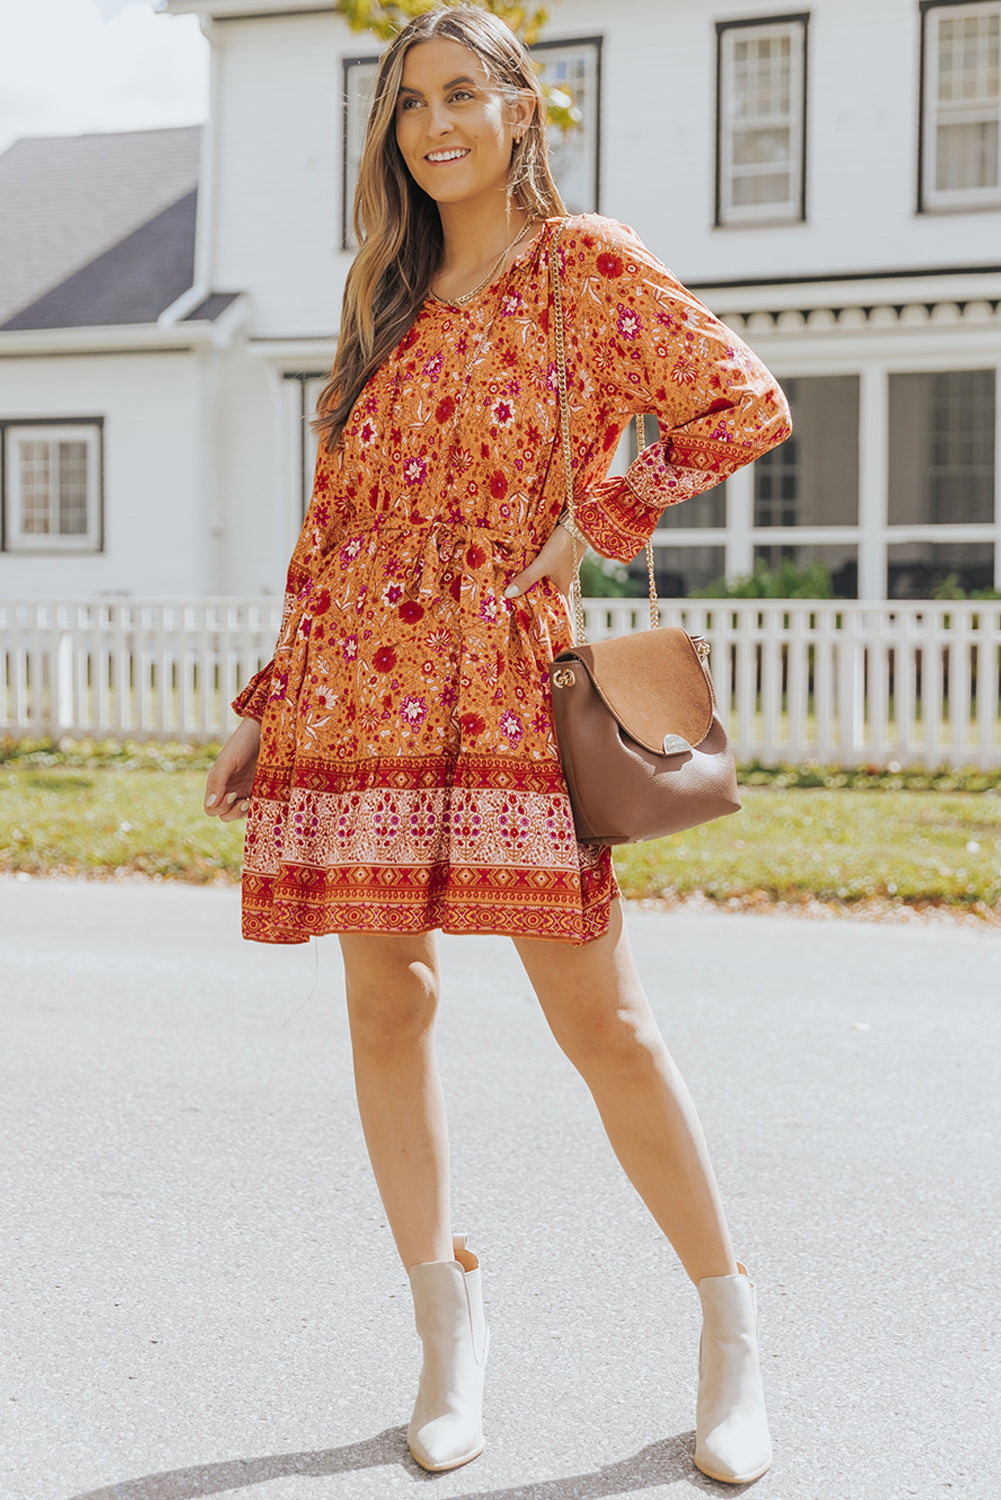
(530, 249)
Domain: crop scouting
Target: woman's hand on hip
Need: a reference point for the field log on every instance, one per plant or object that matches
(555, 561)
(231, 779)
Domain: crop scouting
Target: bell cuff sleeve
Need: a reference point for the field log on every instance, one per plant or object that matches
(645, 345)
(619, 516)
(251, 702)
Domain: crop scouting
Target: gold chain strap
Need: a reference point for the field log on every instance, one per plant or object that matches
(651, 575)
(561, 377)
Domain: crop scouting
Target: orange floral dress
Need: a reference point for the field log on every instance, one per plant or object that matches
(408, 776)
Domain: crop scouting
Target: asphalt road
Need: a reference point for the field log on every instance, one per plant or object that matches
(201, 1296)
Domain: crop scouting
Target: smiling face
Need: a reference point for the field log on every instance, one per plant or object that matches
(454, 127)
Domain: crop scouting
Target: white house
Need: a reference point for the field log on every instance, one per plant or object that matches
(826, 175)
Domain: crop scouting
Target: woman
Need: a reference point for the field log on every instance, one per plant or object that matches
(397, 757)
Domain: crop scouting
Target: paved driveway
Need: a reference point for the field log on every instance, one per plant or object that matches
(201, 1296)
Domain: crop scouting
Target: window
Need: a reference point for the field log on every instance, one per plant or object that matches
(915, 569)
(942, 448)
(360, 74)
(686, 573)
(960, 105)
(812, 479)
(303, 389)
(777, 485)
(761, 120)
(574, 155)
(52, 487)
(840, 561)
(704, 512)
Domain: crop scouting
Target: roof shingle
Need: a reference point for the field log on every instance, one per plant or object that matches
(65, 200)
(133, 282)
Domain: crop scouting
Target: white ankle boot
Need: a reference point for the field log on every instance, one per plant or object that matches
(731, 1429)
(446, 1429)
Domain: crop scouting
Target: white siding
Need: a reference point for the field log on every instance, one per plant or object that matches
(201, 481)
(658, 163)
(258, 477)
(276, 170)
(276, 151)
(156, 523)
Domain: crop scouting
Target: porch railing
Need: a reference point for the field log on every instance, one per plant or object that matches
(835, 681)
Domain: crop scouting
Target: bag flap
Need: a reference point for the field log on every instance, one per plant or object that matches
(653, 683)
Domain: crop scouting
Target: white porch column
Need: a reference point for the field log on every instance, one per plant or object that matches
(997, 477)
(211, 436)
(740, 522)
(873, 481)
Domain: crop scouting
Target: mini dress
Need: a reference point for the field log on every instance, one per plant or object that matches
(408, 776)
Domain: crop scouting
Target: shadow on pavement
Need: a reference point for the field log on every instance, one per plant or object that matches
(666, 1462)
(385, 1448)
(661, 1463)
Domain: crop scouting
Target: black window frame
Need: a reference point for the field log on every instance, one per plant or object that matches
(93, 548)
(921, 205)
(347, 63)
(596, 41)
(748, 23)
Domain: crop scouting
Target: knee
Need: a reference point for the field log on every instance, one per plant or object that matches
(611, 1042)
(393, 1005)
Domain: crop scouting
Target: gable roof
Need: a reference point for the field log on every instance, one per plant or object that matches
(133, 282)
(67, 200)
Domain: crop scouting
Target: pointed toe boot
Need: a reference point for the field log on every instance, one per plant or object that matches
(446, 1428)
(732, 1442)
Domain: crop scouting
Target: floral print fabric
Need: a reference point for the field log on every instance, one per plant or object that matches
(408, 776)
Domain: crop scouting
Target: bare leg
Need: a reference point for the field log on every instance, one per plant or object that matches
(392, 994)
(596, 1008)
(392, 989)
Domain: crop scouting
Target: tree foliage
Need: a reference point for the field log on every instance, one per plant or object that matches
(387, 17)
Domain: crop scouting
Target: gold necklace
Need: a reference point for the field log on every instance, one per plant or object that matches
(468, 296)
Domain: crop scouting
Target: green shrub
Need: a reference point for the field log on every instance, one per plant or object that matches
(600, 578)
(787, 581)
(950, 588)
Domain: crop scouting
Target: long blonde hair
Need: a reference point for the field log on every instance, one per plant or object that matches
(398, 225)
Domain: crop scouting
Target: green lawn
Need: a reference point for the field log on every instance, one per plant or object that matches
(835, 845)
(137, 811)
(56, 820)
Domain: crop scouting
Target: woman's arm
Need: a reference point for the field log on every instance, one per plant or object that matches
(231, 778)
(639, 342)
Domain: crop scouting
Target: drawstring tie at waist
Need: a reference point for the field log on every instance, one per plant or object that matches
(418, 556)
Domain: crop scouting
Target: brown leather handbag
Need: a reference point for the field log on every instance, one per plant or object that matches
(643, 749)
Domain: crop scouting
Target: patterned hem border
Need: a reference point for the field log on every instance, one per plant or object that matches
(265, 927)
(302, 904)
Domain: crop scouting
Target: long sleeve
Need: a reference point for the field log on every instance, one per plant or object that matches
(639, 343)
(309, 549)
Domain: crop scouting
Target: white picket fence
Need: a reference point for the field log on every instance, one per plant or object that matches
(831, 681)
